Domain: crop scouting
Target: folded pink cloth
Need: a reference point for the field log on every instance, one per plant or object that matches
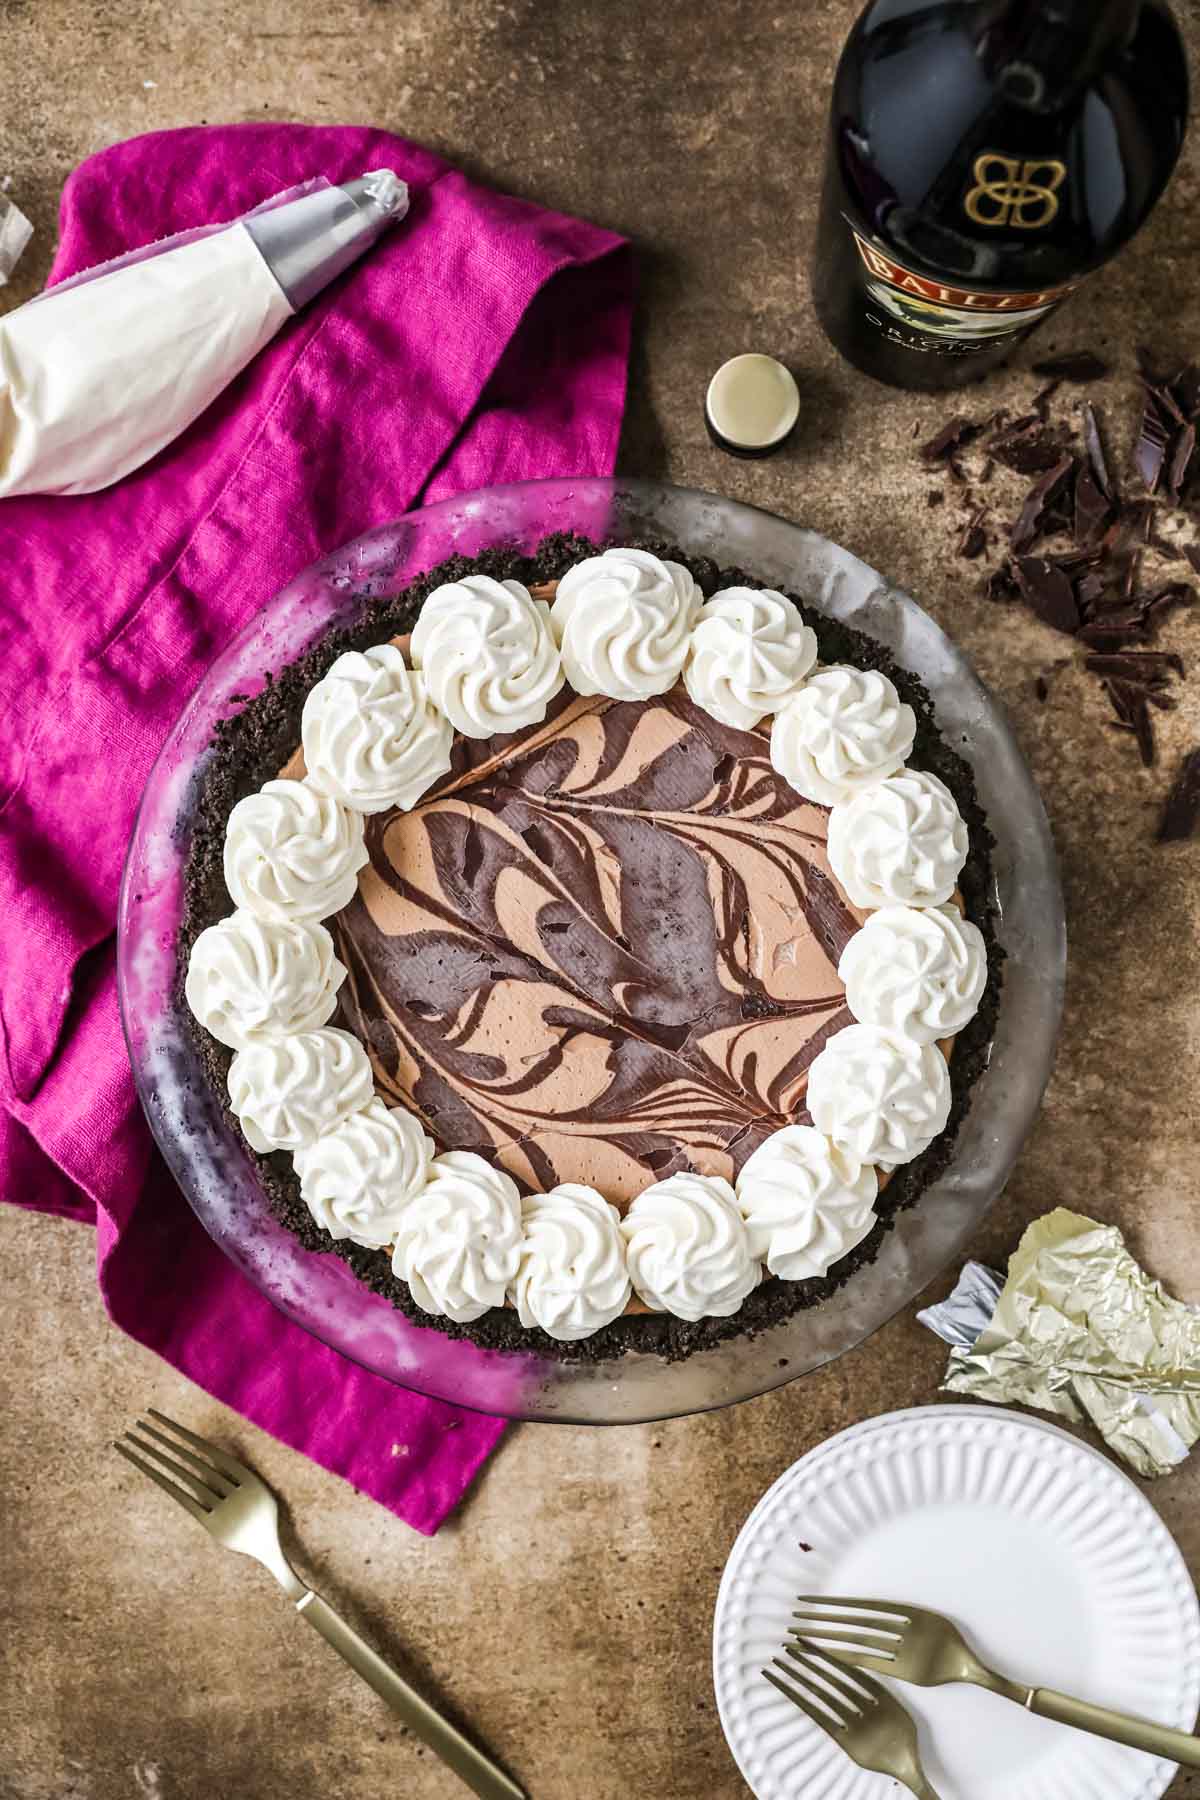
(482, 340)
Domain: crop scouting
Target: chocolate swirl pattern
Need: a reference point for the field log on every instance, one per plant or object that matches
(602, 949)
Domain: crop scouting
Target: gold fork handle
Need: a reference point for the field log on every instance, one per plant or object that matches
(1122, 1728)
(479, 1772)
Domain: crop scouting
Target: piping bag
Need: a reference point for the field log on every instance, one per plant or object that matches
(98, 374)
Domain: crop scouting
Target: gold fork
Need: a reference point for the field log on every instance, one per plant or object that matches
(916, 1645)
(860, 1715)
(239, 1510)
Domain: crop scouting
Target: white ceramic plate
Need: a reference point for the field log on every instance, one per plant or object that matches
(1058, 1570)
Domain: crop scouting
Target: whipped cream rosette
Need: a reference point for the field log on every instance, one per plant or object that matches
(287, 1091)
(251, 978)
(371, 737)
(688, 1248)
(806, 1203)
(357, 1179)
(623, 621)
(487, 654)
(901, 842)
(750, 653)
(572, 1276)
(920, 971)
(458, 1243)
(845, 730)
(880, 1097)
(292, 853)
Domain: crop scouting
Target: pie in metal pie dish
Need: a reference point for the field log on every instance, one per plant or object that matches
(609, 959)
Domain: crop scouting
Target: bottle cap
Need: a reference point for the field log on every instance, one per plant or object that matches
(308, 241)
(752, 405)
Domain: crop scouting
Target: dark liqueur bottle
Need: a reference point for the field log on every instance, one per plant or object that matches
(984, 157)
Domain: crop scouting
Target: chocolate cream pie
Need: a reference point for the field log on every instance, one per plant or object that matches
(593, 948)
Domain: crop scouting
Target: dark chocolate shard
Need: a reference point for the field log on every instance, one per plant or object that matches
(1114, 630)
(934, 497)
(1030, 452)
(1091, 506)
(1156, 606)
(1150, 452)
(1048, 592)
(1093, 443)
(953, 435)
(1001, 584)
(1041, 400)
(1181, 814)
(1129, 704)
(973, 541)
(1038, 501)
(1089, 589)
(1181, 456)
(1192, 552)
(1073, 365)
(1144, 666)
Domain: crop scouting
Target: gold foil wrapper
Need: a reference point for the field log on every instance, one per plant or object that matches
(1081, 1330)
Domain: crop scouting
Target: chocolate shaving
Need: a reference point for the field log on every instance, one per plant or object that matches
(1048, 592)
(1187, 389)
(973, 541)
(1181, 814)
(1137, 665)
(1150, 452)
(1089, 588)
(1040, 498)
(1041, 400)
(934, 497)
(1093, 443)
(1180, 458)
(1192, 552)
(1129, 704)
(1091, 506)
(1001, 584)
(953, 435)
(1073, 365)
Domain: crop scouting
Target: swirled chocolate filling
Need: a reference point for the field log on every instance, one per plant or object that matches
(604, 949)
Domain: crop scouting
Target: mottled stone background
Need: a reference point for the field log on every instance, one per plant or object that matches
(566, 1612)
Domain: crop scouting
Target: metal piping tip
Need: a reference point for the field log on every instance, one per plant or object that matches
(308, 242)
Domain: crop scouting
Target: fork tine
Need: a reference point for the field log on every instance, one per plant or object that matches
(826, 1669)
(828, 1721)
(204, 1496)
(851, 1653)
(168, 1487)
(220, 1484)
(228, 1465)
(808, 1625)
(886, 1609)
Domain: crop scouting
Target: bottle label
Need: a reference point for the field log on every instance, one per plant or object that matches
(924, 314)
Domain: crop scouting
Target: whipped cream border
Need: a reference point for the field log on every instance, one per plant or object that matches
(667, 592)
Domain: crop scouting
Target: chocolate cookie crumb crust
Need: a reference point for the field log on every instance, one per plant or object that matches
(252, 745)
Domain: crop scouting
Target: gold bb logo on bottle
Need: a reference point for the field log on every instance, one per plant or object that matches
(1009, 190)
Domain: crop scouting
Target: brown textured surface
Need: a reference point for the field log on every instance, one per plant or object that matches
(139, 1664)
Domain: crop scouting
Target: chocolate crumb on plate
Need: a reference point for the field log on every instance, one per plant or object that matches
(1181, 814)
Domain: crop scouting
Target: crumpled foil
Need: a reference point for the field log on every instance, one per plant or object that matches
(1079, 1329)
(15, 233)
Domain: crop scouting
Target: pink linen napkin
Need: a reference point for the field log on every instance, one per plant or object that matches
(482, 340)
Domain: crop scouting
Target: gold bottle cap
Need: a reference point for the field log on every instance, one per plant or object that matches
(752, 405)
